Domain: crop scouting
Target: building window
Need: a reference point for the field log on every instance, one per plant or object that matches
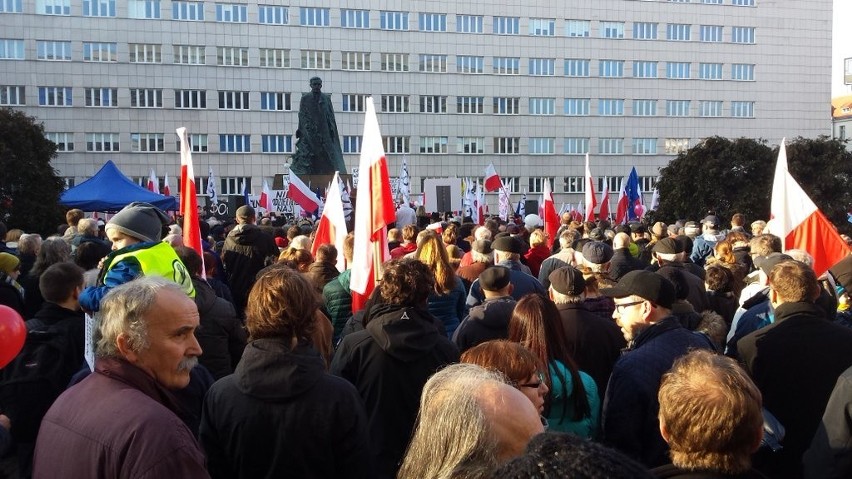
(610, 146)
(100, 142)
(742, 3)
(507, 105)
(610, 107)
(507, 65)
(197, 143)
(644, 69)
(611, 68)
(101, 97)
(507, 25)
(354, 102)
(469, 24)
(396, 144)
(233, 100)
(146, 98)
(234, 143)
(577, 106)
(12, 95)
(393, 20)
(612, 29)
(64, 141)
(232, 56)
(677, 107)
(273, 15)
(350, 18)
(316, 59)
(542, 106)
(11, 49)
(98, 8)
(575, 67)
(274, 101)
(433, 104)
(274, 58)
(644, 107)
(433, 145)
(644, 31)
(147, 142)
(145, 53)
(507, 145)
(678, 31)
(576, 146)
(675, 146)
(469, 64)
(394, 62)
(54, 96)
(711, 33)
(742, 34)
(313, 17)
(709, 108)
(468, 145)
(644, 146)
(99, 52)
(742, 109)
(189, 55)
(712, 2)
(710, 71)
(573, 184)
(355, 61)
(352, 144)
(742, 72)
(430, 63)
(52, 7)
(394, 103)
(190, 99)
(276, 143)
(536, 185)
(433, 22)
(149, 9)
(187, 11)
(469, 104)
(542, 27)
(677, 70)
(542, 67)
(53, 50)
(577, 28)
(842, 132)
(542, 146)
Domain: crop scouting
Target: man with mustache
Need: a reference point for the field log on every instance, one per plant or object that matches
(123, 420)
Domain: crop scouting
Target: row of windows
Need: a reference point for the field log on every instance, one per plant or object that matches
(156, 142)
(359, 18)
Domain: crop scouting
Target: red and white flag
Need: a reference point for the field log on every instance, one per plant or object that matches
(188, 198)
(603, 214)
(332, 223)
(492, 180)
(299, 192)
(621, 206)
(549, 216)
(591, 200)
(153, 183)
(374, 210)
(265, 201)
(798, 221)
(166, 190)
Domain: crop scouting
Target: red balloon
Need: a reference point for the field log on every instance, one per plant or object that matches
(13, 332)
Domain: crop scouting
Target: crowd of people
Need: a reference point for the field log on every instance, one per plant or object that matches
(691, 349)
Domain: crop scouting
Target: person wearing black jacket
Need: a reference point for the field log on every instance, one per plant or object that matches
(246, 251)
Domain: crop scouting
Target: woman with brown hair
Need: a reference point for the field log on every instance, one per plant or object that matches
(573, 404)
(298, 259)
(447, 301)
(520, 366)
(723, 255)
(454, 253)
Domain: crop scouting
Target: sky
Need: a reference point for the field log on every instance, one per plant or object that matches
(841, 46)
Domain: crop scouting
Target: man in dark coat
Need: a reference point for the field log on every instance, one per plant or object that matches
(795, 362)
(622, 261)
(489, 320)
(246, 251)
(391, 359)
(507, 253)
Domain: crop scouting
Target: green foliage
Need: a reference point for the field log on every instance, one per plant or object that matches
(735, 176)
(29, 185)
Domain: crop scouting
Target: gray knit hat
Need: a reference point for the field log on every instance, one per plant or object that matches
(142, 221)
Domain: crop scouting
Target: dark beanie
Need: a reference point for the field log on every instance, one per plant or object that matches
(142, 221)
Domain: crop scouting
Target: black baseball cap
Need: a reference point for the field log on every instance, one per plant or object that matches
(644, 284)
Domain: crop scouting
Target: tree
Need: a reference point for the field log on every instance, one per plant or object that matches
(735, 176)
(29, 185)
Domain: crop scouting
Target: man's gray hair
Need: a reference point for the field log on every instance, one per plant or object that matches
(453, 437)
(87, 225)
(123, 310)
(29, 243)
(482, 233)
(560, 298)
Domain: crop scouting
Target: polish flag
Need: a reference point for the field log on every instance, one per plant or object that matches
(153, 184)
(550, 218)
(591, 200)
(374, 210)
(166, 190)
(798, 221)
(492, 181)
(188, 198)
(332, 224)
(299, 192)
(621, 206)
(603, 214)
(265, 198)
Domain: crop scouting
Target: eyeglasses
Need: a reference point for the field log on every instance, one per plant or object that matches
(534, 385)
(620, 307)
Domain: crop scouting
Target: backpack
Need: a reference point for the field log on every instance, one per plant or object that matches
(34, 379)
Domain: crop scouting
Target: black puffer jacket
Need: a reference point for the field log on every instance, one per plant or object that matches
(246, 251)
(221, 335)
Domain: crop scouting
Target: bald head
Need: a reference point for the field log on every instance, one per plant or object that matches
(513, 418)
(621, 240)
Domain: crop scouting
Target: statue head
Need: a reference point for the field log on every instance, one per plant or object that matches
(316, 84)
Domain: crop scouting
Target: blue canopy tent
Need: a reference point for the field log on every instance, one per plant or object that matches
(110, 190)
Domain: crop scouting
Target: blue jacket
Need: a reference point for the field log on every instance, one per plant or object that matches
(586, 427)
(450, 308)
(703, 247)
(756, 317)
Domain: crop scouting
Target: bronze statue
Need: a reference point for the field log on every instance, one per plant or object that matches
(318, 149)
